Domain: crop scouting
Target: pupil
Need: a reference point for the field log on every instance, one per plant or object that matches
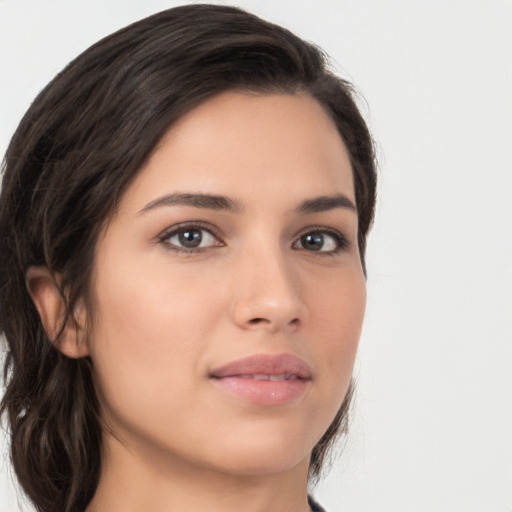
(313, 241)
(190, 238)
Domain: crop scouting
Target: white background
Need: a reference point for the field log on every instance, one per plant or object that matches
(433, 424)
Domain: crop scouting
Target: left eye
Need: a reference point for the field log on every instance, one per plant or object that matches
(190, 238)
(321, 241)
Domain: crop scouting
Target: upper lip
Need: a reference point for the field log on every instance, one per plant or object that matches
(265, 364)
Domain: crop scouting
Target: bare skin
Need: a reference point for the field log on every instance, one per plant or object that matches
(185, 285)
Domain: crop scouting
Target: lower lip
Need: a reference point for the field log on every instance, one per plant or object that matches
(264, 392)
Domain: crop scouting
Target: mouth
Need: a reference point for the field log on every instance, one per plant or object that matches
(264, 379)
(274, 378)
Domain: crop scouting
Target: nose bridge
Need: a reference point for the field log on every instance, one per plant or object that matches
(268, 290)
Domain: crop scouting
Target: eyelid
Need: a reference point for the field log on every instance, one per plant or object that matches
(341, 240)
(176, 228)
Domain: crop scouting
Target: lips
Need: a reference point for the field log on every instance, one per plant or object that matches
(273, 378)
(260, 365)
(264, 379)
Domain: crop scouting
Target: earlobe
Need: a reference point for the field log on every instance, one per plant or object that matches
(44, 291)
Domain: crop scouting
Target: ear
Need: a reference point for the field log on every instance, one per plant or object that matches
(44, 290)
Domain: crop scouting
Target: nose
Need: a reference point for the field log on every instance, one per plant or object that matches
(268, 294)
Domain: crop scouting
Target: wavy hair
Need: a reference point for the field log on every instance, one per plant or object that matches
(73, 155)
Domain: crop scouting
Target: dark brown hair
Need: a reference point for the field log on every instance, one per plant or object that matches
(73, 155)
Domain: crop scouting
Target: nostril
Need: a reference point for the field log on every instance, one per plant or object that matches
(257, 320)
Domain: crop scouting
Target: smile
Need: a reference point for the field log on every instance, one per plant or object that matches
(264, 379)
(274, 378)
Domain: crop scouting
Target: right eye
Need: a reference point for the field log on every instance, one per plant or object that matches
(189, 239)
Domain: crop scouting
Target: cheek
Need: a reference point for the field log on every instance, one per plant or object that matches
(149, 332)
(151, 303)
(337, 317)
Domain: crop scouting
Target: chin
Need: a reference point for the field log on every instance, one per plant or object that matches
(262, 450)
(262, 462)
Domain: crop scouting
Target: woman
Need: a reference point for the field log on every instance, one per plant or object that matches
(183, 220)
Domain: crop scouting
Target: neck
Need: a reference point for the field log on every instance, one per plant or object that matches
(130, 482)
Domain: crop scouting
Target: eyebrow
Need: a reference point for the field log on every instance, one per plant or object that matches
(216, 202)
(207, 201)
(325, 203)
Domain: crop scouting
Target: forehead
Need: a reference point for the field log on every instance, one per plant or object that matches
(249, 146)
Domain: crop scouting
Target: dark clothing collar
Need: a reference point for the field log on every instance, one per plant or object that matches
(315, 507)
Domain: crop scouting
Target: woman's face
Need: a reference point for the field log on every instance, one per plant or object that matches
(229, 292)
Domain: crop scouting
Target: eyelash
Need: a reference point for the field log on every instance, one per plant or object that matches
(189, 226)
(340, 240)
